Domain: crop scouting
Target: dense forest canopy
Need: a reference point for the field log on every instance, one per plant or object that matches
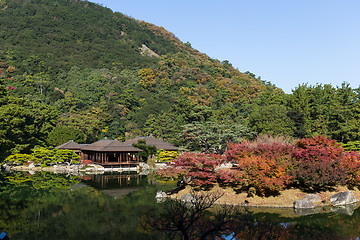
(69, 66)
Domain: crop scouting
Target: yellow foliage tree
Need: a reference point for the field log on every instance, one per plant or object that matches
(166, 156)
(147, 77)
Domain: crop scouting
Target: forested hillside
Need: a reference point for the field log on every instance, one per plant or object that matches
(77, 69)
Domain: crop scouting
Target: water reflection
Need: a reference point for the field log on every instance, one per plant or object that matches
(201, 219)
(307, 211)
(347, 210)
(115, 180)
(178, 221)
(73, 211)
(123, 206)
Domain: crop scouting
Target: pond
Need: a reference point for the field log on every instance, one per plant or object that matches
(123, 206)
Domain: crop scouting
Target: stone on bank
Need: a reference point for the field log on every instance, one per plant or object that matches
(303, 204)
(342, 198)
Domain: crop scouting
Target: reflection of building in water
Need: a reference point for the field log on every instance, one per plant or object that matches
(122, 180)
(115, 185)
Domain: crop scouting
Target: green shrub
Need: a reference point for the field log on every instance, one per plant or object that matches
(42, 155)
(19, 158)
(53, 156)
(351, 146)
(65, 155)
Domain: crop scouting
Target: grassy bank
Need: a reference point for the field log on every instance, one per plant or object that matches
(286, 198)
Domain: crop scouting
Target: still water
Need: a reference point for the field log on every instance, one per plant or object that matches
(123, 206)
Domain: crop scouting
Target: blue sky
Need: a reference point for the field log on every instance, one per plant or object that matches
(287, 42)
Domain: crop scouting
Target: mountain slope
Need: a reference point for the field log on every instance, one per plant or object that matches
(67, 33)
(111, 75)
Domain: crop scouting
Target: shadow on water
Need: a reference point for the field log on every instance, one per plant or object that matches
(123, 206)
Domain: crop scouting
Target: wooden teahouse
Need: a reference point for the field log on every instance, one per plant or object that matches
(110, 153)
(71, 145)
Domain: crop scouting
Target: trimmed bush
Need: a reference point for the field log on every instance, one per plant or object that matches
(350, 161)
(166, 156)
(65, 155)
(171, 173)
(351, 146)
(199, 167)
(318, 163)
(19, 158)
(263, 167)
(47, 157)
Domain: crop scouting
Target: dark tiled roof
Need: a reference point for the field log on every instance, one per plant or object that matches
(70, 145)
(159, 144)
(107, 145)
